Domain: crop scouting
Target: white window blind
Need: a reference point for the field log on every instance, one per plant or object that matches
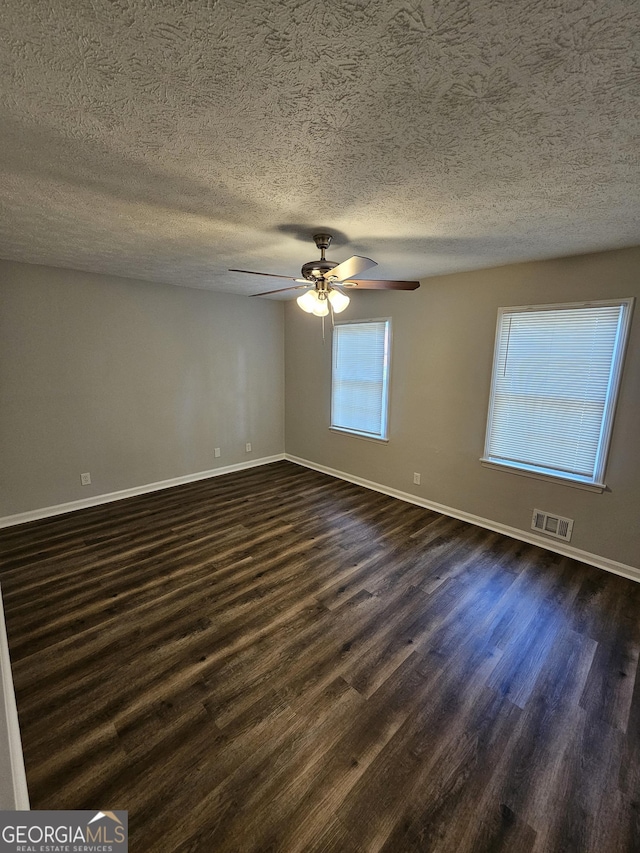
(360, 378)
(555, 377)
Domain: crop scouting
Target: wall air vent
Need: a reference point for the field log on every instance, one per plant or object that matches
(552, 525)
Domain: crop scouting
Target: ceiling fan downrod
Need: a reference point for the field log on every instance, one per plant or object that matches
(322, 241)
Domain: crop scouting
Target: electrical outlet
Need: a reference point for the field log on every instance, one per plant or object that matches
(416, 479)
(85, 479)
(216, 452)
(248, 447)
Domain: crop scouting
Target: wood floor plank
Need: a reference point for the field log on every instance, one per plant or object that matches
(276, 660)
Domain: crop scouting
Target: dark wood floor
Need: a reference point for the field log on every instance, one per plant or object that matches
(275, 660)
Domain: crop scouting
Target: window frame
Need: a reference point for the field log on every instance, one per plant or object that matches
(386, 386)
(596, 482)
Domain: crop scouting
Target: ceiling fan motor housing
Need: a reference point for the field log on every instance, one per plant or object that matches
(314, 270)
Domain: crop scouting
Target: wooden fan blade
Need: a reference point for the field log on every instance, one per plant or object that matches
(282, 289)
(352, 266)
(270, 274)
(381, 284)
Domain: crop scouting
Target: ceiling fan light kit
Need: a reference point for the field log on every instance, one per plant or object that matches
(322, 276)
(318, 302)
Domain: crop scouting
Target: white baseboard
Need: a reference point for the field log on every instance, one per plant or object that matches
(97, 500)
(514, 532)
(523, 535)
(14, 795)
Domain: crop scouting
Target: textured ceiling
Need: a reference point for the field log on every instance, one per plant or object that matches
(171, 140)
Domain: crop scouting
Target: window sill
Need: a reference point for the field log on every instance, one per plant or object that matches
(550, 478)
(363, 435)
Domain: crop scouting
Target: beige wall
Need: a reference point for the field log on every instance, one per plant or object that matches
(443, 338)
(131, 381)
(138, 382)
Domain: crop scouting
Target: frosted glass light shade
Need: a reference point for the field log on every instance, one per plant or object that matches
(339, 301)
(308, 301)
(322, 308)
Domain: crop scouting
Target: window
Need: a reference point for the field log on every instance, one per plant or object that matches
(360, 378)
(556, 372)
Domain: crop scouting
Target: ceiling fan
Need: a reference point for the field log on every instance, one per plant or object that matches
(319, 280)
